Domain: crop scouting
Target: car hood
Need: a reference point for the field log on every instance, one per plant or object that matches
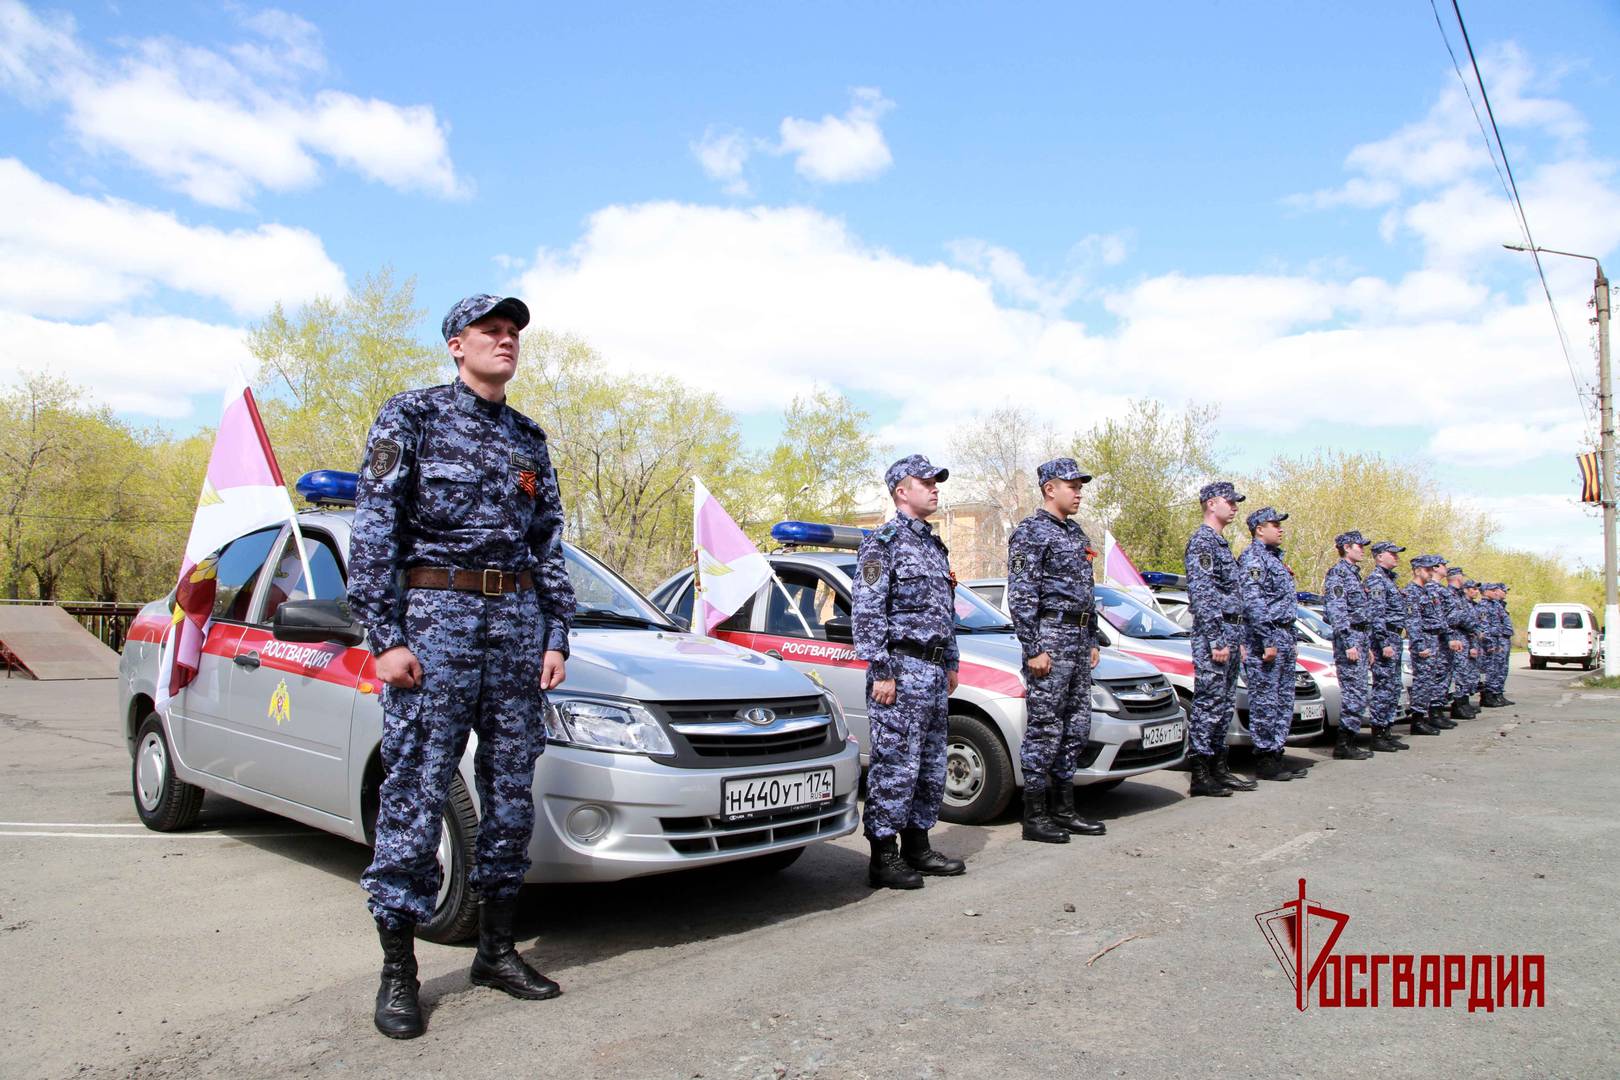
(655, 665)
(1002, 651)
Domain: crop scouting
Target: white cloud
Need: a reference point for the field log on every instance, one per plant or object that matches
(1549, 523)
(219, 126)
(149, 366)
(723, 153)
(840, 149)
(1507, 440)
(71, 255)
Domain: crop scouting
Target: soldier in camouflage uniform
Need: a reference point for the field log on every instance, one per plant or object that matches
(1269, 610)
(1344, 598)
(1386, 615)
(1216, 601)
(1423, 624)
(456, 569)
(1440, 598)
(1054, 612)
(1501, 647)
(905, 629)
(1464, 676)
(1480, 650)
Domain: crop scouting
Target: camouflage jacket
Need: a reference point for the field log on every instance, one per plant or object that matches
(1048, 569)
(903, 592)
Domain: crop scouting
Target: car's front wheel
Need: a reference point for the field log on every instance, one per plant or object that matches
(455, 918)
(978, 772)
(1537, 663)
(164, 802)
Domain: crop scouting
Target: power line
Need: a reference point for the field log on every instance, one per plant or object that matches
(1513, 185)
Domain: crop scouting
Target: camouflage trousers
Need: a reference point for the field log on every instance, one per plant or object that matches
(1496, 667)
(1427, 671)
(905, 782)
(481, 659)
(1057, 708)
(1385, 699)
(1470, 668)
(1453, 662)
(1271, 694)
(1354, 687)
(1214, 696)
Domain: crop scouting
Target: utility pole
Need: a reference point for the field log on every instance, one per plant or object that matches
(1611, 601)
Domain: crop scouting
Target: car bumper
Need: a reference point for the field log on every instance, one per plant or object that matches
(1115, 750)
(1299, 729)
(607, 817)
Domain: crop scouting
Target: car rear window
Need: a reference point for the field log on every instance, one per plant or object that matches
(1546, 620)
(1573, 621)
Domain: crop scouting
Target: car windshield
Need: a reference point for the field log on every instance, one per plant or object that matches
(1317, 625)
(973, 614)
(604, 597)
(1133, 617)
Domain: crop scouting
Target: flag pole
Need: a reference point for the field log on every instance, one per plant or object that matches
(275, 468)
(794, 607)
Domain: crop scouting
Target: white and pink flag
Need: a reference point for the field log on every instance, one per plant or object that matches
(1117, 566)
(242, 491)
(730, 569)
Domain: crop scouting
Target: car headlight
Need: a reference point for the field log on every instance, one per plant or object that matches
(1103, 699)
(604, 725)
(836, 711)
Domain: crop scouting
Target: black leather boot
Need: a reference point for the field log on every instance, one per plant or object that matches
(1438, 718)
(1345, 748)
(1060, 808)
(399, 1012)
(1386, 743)
(1420, 725)
(1219, 770)
(1461, 709)
(1203, 780)
(1490, 699)
(920, 855)
(1269, 765)
(1038, 826)
(497, 962)
(887, 870)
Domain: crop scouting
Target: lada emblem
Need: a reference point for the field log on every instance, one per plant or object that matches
(757, 715)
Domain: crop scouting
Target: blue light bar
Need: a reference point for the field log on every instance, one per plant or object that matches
(1308, 597)
(801, 533)
(1163, 579)
(328, 487)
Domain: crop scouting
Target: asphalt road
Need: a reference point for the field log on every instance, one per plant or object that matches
(242, 948)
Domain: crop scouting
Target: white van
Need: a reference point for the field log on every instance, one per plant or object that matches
(1564, 634)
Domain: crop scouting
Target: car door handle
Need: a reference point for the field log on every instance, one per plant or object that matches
(247, 660)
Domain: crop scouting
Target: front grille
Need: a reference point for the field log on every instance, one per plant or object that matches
(748, 746)
(708, 835)
(718, 712)
(1147, 697)
(1132, 756)
(713, 734)
(1304, 685)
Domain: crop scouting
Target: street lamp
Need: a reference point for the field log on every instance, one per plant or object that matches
(1611, 603)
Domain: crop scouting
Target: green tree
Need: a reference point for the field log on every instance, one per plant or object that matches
(825, 456)
(1148, 466)
(325, 372)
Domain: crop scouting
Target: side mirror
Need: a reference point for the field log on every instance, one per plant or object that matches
(315, 622)
(840, 628)
(679, 620)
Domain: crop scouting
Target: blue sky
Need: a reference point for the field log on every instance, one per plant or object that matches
(1282, 208)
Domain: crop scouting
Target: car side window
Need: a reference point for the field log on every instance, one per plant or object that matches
(1573, 621)
(288, 581)
(236, 572)
(1545, 620)
(808, 595)
(681, 606)
(742, 621)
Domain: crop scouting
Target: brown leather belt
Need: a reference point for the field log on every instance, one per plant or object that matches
(490, 582)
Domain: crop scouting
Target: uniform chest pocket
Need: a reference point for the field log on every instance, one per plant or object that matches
(916, 591)
(448, 491)
(1064, 559)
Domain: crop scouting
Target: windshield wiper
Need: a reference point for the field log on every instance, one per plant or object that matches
(619, 618)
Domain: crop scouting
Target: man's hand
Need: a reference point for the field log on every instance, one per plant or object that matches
(1424, 654)
(1473, 652)
(1270, 654)
(1389, 652)
(1040, 665)
(1456, 646)
(1096, 656)
(883, 691)
(1221, 655)
(1353, 654)
(553, 669)
(398, 667)
(951, 682)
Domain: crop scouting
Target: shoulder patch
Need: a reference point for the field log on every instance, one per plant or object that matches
(1018, 563)
(1254, 573)
(886, 533)
(385, 454)
(1206, 560)
(1338, 591)
(871, 571)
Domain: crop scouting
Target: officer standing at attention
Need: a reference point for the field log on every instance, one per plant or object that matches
(1269, 608)
(1500, 641)
(1480, 649)
(905, 628)
(1423, 624)
(1216, 601)
(456, 569)
(1054, 612)
(1386, 614)
(1450, 645)
(1345, 599)
(1462, 630)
